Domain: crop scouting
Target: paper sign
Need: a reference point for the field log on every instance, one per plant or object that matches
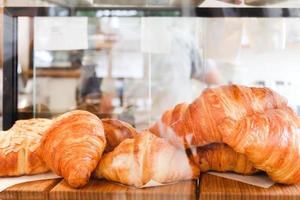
(156, 35)
(127, 65)
(60, 33)
(259, 180)
(11, 181)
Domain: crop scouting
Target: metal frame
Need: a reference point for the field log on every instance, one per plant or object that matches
(10, 80)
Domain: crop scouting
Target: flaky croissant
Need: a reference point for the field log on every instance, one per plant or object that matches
(18, 148)
(73, 145)
(196, 124)
(146, 157)
(255, 122)
(270, 140)
(220, 157)
(115, 132)
(212, 157)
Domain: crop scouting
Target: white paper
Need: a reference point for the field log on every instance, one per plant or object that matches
(11, 181)
(152, 183)
(219, 4)
(127, 65)
(60, 33)
(156, 35)
(259, 180)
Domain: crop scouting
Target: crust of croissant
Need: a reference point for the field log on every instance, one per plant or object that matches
(18, 148)
(73, 145)
(146, 157)
(115, 132)
(221, 158)
(270, 141)
(197, 124)
(255, 122)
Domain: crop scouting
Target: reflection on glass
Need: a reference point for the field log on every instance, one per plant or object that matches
(134, 69)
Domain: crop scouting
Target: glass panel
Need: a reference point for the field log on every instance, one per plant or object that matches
(102, 3)
(153, 3)
(135, 69)
(256, 52)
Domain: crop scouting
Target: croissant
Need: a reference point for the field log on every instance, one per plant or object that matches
(269, 140)
(220, 157)
(196, 124)
(73, 145)
(255, 122)
(213, 157)
(18, 148)
(115, 132)
(144, 158)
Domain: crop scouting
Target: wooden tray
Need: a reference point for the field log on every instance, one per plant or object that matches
(210, 188)
(98, 190)
(217, 188)
(37, 190)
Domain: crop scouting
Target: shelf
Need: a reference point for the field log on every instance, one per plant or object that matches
(55, 73)
(154, 11)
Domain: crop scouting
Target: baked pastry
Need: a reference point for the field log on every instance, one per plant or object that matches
(18, 148)
(144, 158)
(254, 122)
(196, 124)
(269, 140)
(221, 158)
(115, 132)
(73, 145)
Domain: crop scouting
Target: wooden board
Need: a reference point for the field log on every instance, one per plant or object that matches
(217, 188)
(37, 190)
(104, 190)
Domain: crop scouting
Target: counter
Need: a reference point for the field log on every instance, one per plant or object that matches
(208, 188)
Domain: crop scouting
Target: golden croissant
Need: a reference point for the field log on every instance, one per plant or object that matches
(18, 148)
(196, 124)
(115, 132)
(73, 145)
(222, 158)
(255, 122)
(144, 158)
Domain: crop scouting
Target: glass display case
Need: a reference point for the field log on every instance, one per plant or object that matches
(133, 60)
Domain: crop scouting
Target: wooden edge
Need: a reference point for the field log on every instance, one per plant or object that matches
(36, 190)
(217, 188)
(102, 189)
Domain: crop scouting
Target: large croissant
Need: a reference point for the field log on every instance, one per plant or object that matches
(146, 157)
(196, 124)
(18, 148)
(255, 122)
(73, 145)
(270, 141)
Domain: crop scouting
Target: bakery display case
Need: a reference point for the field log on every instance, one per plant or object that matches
(207, 76)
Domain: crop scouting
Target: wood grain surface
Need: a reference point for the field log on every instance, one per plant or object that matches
(211, 188)
(217, 188)
(101, 189)
(37, 190)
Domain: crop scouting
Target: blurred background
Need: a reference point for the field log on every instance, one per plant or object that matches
(134, 68)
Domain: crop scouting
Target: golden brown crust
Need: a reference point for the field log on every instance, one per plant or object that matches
(255, 122)
(115, 132)
(18, 148)
(73, 145)
(221, 158)
(270, 141)
(146, 157)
